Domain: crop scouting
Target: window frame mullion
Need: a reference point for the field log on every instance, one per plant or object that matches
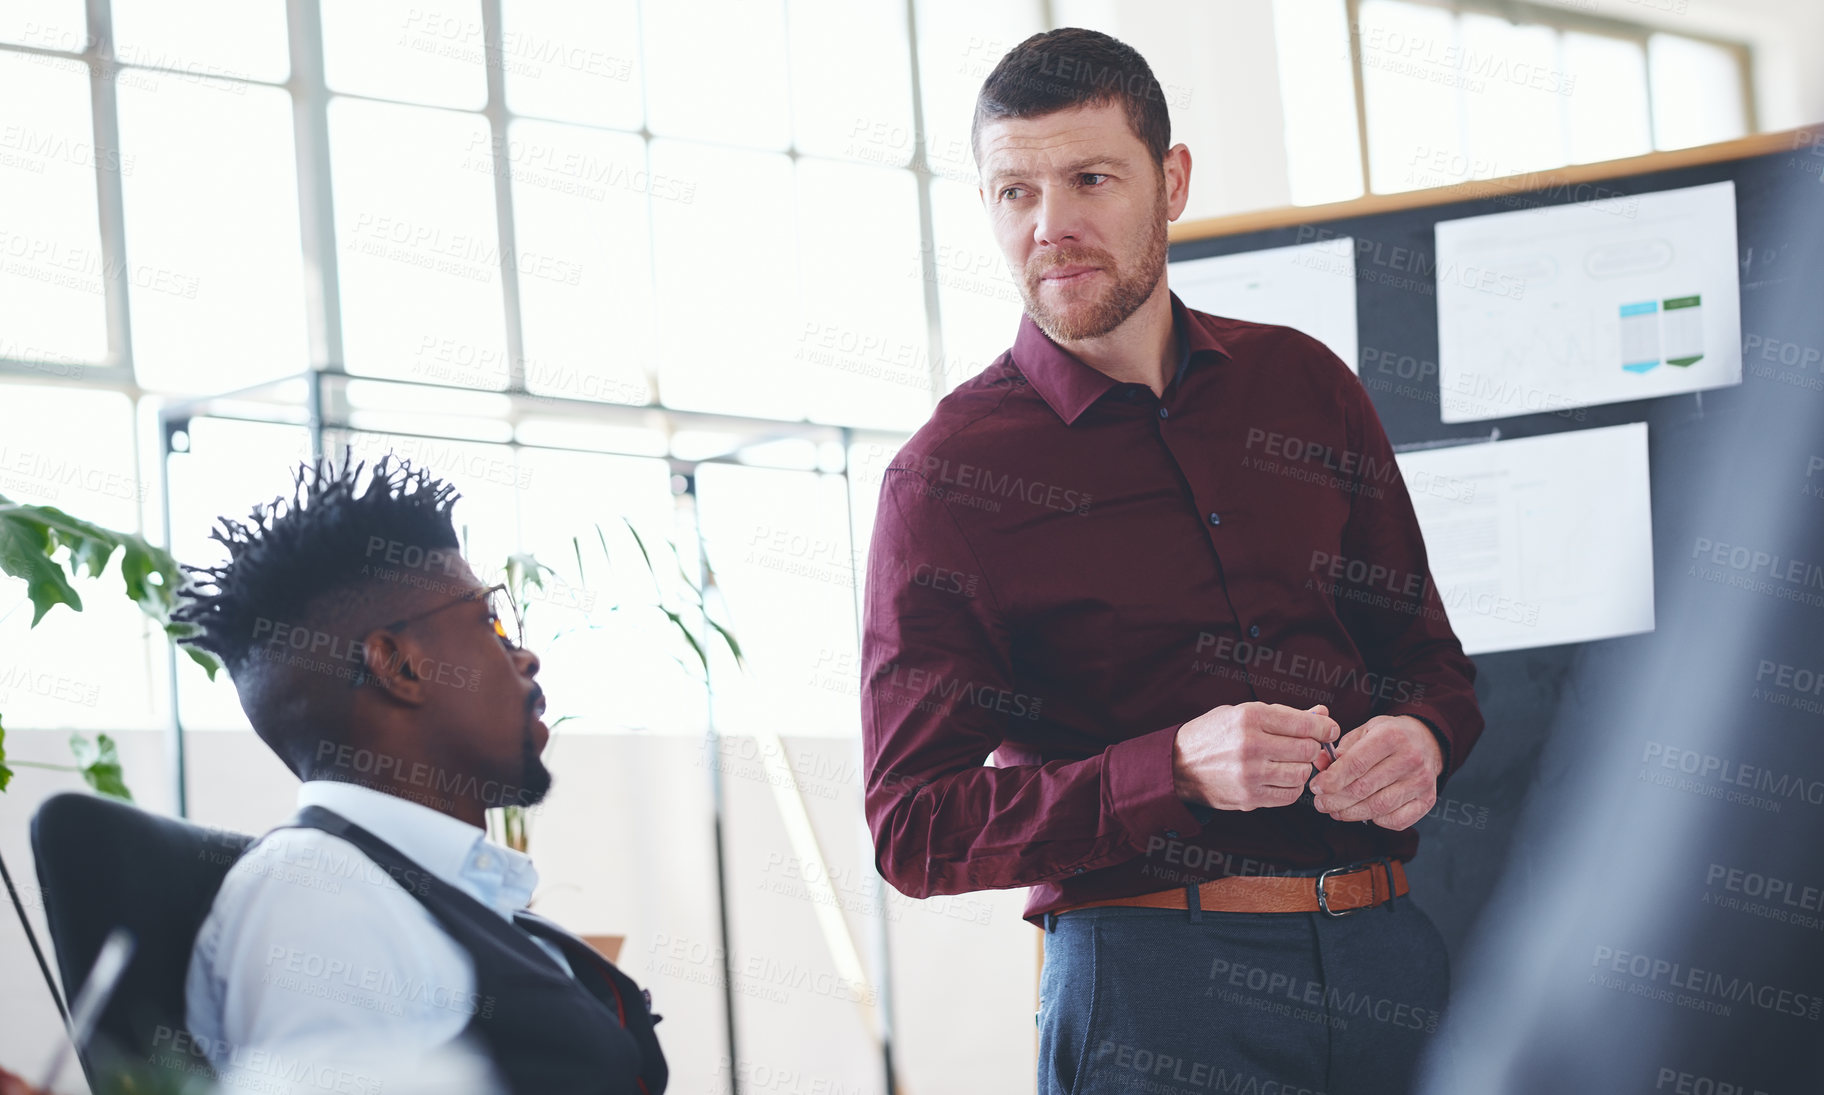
(104, 113)
(316, 197)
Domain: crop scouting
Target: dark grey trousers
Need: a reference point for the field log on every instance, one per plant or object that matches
(1162, 1002)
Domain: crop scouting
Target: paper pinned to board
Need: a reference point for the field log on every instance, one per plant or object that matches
(1310, 286)
(1629, 297)
(1540, 540)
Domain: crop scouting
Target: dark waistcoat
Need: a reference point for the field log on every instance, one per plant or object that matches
(547, 1032)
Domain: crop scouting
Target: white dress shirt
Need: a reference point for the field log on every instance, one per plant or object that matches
(313, 952)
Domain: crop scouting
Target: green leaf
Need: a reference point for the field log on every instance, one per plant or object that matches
(6, 774)
(210, 663)
(524, 569)
(89, 543)
(728, 637)
(100, 763)
(690, 583)
(151, 582)
(694, 599)
(697, 647)
(31, 535)
(179, 633)
(637, 539)
(26, 546)
(88, 554)
(734, 645)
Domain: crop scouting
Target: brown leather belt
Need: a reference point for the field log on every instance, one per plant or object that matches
(1338, 892)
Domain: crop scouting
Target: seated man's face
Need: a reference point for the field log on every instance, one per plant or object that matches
(480, 705)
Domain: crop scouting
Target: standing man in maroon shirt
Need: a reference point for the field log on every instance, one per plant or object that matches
(1160, 565)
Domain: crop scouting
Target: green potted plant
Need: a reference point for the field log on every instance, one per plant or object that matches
(524, 572)
(48, 550)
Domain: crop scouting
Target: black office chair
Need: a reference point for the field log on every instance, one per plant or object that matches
(105, 864)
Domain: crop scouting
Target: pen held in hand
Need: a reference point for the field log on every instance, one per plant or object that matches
(1329, 750)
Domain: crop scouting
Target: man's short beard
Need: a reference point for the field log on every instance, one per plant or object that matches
(534, 781)
(535, 778)
(1097, 318)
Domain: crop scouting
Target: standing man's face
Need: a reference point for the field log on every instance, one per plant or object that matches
(1080, 212)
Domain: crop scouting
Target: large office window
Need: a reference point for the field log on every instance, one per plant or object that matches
(696, 214)
(749, 207)
(754, 209)
(1473, 89)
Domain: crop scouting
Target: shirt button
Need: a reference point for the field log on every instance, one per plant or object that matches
(1253, 631)
(1165, 412)
(1079, 870)
(484, 861)
(1215, 518)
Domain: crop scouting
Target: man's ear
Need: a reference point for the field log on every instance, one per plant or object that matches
(1177, 180)
(387, 662)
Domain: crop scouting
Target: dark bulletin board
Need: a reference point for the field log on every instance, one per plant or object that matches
(1743, 466)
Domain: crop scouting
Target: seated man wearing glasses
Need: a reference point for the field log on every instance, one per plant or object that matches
(379, 926)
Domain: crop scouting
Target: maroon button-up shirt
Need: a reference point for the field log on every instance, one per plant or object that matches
(1066, 568)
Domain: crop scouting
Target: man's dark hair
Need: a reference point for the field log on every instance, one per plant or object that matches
(1073, 67)
(310, 561)
(293, 553)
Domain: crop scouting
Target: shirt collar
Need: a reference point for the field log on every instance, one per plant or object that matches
(453, 850)
(1068, 386)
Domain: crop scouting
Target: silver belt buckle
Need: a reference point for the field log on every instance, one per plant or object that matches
(1323, 901)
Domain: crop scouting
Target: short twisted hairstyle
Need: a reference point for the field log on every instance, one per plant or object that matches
(292, 553)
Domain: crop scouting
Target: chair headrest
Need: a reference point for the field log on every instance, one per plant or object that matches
(105, 864)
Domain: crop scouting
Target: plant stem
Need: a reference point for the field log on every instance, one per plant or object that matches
(32, 937)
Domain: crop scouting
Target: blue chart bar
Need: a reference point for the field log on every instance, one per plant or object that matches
(1640, 336)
